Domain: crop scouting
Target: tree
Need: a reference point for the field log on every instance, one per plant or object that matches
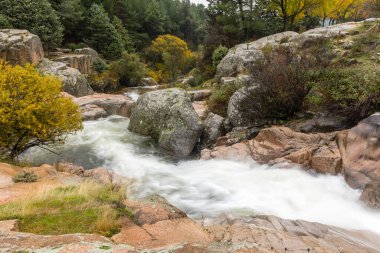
(72, 14)
(129, 69)
(37, 17)
(127, 41)
(4, 22)
(218, 55)
(32, 111)
(291, 10)
(171, 54)
(101, 34)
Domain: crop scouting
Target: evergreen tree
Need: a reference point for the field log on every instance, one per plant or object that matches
(4, 22)
(101, 35)
(72, 14)
(127, 41)
(37, 16)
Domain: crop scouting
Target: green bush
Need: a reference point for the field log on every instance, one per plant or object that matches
(74, 46)
(4, 22)
(284, 81)
(129, 69)
(218, 101)
(353, 91)
(218, 55)
(99, 66)
(25, 177)
(366, 42)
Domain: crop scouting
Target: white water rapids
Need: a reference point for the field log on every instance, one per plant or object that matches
(209, 188)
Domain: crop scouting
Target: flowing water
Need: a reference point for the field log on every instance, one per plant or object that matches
(209, 188)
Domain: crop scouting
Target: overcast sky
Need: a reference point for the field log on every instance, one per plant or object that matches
(204, 2)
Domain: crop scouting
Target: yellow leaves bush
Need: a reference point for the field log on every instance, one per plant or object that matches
(32, 111)
(171, 55)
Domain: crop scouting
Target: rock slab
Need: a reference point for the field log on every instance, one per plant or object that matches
(20, 46)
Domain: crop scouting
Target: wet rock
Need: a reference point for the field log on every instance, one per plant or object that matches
(73, 81)
(103, 105)
(360, 149)
(283, 145)
(371, 194)
(213, 129)
(169, 117)
(236, 152)
(20, 46)
(92, 112)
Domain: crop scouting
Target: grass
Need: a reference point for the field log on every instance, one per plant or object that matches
(86, 208)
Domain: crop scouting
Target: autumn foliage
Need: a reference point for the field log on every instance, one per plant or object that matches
(171, 57)
(32, 111)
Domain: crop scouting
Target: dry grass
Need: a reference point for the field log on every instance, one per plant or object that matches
(86, 208)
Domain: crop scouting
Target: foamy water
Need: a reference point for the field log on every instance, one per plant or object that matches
(209, 188)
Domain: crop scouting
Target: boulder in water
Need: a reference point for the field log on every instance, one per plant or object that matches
(169, 117)
(371, 194)
(360, 149)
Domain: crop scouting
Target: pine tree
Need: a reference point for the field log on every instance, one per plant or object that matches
(127, 41)
(72, 14)
(101, 35)
(37, 16)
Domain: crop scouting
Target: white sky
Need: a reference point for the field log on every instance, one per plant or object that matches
(204, 2)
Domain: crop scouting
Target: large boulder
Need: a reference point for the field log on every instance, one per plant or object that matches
(243, 109)
(20, 46)
(102, 105)
(360, 149)
(73, 81)
(243, 56)
(169, 117)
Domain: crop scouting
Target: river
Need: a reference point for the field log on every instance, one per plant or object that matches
(205, 189)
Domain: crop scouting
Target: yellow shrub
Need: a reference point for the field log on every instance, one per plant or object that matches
(171, 55)
(32, 111)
